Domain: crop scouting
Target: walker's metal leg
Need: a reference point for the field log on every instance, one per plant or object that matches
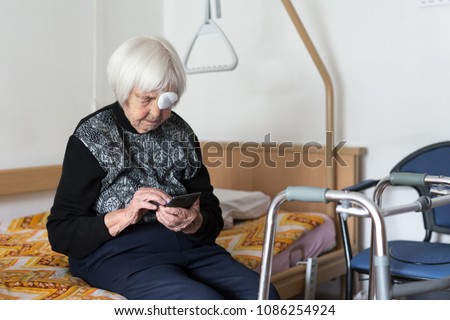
(310, 278)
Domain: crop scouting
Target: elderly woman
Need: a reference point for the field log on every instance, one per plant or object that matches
(122, 165)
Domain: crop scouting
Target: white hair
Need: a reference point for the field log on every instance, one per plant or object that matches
(147, 64)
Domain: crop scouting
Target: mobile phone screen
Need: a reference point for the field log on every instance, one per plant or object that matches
(184, 201)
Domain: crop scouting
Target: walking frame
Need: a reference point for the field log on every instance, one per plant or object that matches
(360, 205)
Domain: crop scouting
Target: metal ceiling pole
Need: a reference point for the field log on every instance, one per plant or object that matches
(331, 169)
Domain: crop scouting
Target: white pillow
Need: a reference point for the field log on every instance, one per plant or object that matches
(241, 205)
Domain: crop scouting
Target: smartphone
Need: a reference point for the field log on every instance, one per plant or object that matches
(184, 201)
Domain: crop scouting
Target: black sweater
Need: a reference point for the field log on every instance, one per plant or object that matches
(76, 227)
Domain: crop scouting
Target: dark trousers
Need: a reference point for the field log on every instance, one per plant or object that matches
(153, 263)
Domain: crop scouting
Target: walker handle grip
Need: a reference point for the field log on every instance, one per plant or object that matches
(306, 194)
(407, 179)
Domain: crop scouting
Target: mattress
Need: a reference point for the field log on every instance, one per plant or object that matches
(298, 236)
(29, 269)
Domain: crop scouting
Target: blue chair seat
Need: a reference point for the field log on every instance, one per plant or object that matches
(424, 253)
(411, 259)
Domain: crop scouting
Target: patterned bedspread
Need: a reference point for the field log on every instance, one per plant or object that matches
(245, 240)
(29, 269)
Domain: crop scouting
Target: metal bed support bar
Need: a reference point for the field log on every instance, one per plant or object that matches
(310, 278)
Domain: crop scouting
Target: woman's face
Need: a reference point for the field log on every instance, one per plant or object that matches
(142, 111)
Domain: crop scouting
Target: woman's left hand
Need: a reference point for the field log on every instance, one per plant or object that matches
(180, 219)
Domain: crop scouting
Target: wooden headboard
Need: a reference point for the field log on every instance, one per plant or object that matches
(272, 169)
(25, 180)
(233, 165)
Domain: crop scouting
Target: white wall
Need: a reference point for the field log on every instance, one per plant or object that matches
(48, 54)
(266, 93)
(117, 21)
(45, 77)
(388, 60)
(45, 85)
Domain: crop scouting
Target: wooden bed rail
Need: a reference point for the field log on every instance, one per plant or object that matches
(260, 176)
(33, 179)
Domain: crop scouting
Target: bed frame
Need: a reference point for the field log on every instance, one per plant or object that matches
(246, 166)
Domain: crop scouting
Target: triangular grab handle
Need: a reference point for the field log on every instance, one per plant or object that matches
(209, 27)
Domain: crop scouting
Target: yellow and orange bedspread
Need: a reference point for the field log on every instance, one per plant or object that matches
(29, 269)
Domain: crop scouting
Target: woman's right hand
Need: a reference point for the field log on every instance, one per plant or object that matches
(144, 200)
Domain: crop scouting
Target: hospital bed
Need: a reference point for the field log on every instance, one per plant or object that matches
(30, 270)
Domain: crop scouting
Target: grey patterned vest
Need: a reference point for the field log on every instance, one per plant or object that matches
(159, 159)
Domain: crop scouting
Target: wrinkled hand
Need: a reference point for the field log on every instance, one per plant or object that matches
(180, 219)
(144, 200)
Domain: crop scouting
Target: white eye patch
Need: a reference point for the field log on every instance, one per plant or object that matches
(167, 100)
